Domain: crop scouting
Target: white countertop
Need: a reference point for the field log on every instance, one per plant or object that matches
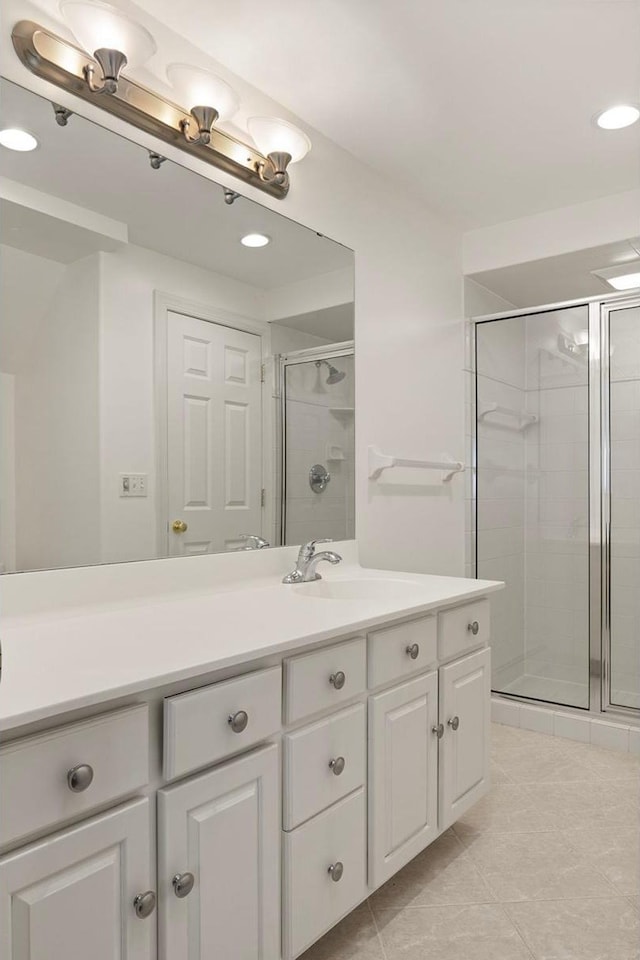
(74, 657)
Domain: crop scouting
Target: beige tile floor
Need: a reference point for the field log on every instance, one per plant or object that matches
(546, 867)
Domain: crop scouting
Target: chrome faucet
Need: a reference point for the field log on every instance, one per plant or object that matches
(252, 542)
(307, 562)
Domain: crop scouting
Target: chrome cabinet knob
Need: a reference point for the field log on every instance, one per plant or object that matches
(337, 680)
(413, 651)
(336, 870)
(238, 721)
(337, 765)
(183, 884)
(453, 722)
(144, 904)
(80, 777)
(473, 627)
(439, 731)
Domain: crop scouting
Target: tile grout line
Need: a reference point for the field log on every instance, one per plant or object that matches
(378, 934)
(518, 932)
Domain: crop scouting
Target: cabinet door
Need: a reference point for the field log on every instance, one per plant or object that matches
(403, 771)
(465, 705)
(223, 828)
(71, 896)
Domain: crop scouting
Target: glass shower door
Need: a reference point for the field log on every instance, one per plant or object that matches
(622, 509)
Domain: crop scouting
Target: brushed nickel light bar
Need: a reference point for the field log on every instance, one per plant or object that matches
(192, 130)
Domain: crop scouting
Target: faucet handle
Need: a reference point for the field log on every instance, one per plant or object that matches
(307, 550)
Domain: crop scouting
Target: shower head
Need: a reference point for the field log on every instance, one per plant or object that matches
(335, 375)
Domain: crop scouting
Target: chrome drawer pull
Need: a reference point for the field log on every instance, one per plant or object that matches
(144, 904)
(238, 721)
(337, 765)
(337, 680)
(183, 884)
(413, 650)
(80, 777)
(453, 722)
(336, 870)
(473, 627)
(439, 731)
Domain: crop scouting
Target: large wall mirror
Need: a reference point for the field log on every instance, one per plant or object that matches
(165, 390)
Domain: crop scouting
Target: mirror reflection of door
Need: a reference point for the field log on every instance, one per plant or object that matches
(214, 446)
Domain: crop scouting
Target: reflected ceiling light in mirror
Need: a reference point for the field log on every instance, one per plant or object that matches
(110, 37)
(618, 117)
(15, 139)
(255, 240)
(208, 98)
(281, 143)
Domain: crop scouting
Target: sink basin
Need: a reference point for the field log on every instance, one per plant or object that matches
(360, 589)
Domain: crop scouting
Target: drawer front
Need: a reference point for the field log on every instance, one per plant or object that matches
(401, 651)
(35, 783)
(463, 628)
(313, 900)
(323, 763)
(198, 727)
(324, 679)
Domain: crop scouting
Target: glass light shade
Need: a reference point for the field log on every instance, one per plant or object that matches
(99, 25)
(199, 88)
(272, 135)
(615, 118)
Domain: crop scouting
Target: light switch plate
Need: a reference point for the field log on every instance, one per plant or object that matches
(133, 484)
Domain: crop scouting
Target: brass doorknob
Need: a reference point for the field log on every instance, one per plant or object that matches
(179, 526)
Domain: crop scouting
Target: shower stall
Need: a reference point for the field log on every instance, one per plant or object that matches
(317, 444)
(557, 500)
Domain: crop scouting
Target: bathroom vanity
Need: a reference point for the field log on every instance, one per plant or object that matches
(227, 772)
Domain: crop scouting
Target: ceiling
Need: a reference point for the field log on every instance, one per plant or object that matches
(561, 278)
(172, 210)
(483, 108)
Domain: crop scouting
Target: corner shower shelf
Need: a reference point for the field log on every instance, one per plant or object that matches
(379, 461)
(524, 418)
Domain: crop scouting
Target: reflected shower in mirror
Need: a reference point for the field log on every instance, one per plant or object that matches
(144, 349)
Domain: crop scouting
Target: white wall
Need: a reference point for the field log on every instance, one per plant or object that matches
(7, 473)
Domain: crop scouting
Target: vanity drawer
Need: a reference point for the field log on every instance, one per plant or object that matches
(322, 763)
(198, 728)
(463, 628)
(314, 898)
(403, 650)
(37, 789)
(324, 679)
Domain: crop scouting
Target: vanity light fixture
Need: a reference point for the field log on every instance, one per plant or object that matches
(112, 41)
(255, 240)
(615, 118)
(15, 139)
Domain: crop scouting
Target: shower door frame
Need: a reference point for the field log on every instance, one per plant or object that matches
(599, 439)
(329, 351)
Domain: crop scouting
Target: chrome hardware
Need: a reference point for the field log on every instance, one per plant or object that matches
(336, 870)
(253, 542)
(179, 526)
(413, 650)
(144, 904)
(337, 765)
(183, 884)
(80, 777)
(319, 478)
(307, 562)
(473, 627)
(453, 722)
(337, 680)
(238, 721)
(439, 731)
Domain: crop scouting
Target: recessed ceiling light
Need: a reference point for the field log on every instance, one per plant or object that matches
(622, 276)
(629, 281)
(615, 118)
(15, 139)
(255, 240)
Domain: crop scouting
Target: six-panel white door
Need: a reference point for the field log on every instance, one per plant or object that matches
(214, 435)
(465, 706)
(222, 829)
(403, 774)
(71, 896)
